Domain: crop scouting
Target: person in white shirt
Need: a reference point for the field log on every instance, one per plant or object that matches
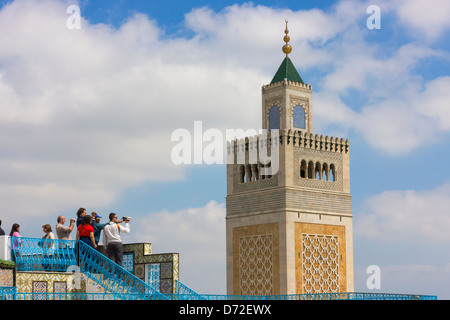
(111, 238)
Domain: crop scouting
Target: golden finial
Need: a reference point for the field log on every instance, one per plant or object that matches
(287, 47)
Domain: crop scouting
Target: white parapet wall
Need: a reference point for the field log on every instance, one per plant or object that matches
(5, 248)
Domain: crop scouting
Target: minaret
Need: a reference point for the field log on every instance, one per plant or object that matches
(287, 101)
(289, 232)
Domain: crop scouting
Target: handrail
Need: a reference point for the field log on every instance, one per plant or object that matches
(183, 291)
(310, 296)
(32, 254)
(113, 277)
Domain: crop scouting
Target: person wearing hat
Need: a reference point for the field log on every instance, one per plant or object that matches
(98, 227)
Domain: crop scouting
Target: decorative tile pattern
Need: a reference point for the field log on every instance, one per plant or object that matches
(128, 261)
(60, 290)
(25, 280)
(59, 287)
(255, 265)
(139, 271)
(141, 251)
(39, 290)
(155, 258)
(154, 275)
(6, 277)
(166, 270)
(175, 266)
(166, 286)
(320, 263)
(143, 258)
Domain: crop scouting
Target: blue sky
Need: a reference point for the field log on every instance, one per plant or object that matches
(87, 116)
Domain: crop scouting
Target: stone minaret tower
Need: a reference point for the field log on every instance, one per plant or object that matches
(290, 231)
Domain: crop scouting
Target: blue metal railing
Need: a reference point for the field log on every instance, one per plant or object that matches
(110, 296)
(31, 254)
(8, 293)
(183, 292)
(114, 278)
(315, 296)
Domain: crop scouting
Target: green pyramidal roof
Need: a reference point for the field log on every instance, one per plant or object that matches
(287, 71)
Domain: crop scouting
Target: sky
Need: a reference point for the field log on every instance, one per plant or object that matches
(87, 112)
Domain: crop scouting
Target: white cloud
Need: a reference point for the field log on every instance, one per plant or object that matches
(434, 102)
(425, 18)
(400, 111)
(198, 235)
(423, 279)
(395, 127)
(406, 216)
(89, 112)
(93, 109)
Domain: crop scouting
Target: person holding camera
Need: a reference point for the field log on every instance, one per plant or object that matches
(111, 238)
(62, 231)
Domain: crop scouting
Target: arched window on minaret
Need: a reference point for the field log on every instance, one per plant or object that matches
(310, 170)
(274, 118)
(248, 173)
(241, 174)
(303, 169)
(255, 176)
(299, 117)
(318, 171)
(325, 172)
(333, 173)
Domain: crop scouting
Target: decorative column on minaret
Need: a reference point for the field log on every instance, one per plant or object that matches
(290, 232)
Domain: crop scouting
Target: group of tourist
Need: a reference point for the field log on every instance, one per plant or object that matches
(88, 230)
(14, 230)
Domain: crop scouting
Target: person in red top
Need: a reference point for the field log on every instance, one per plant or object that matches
(85, 232)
